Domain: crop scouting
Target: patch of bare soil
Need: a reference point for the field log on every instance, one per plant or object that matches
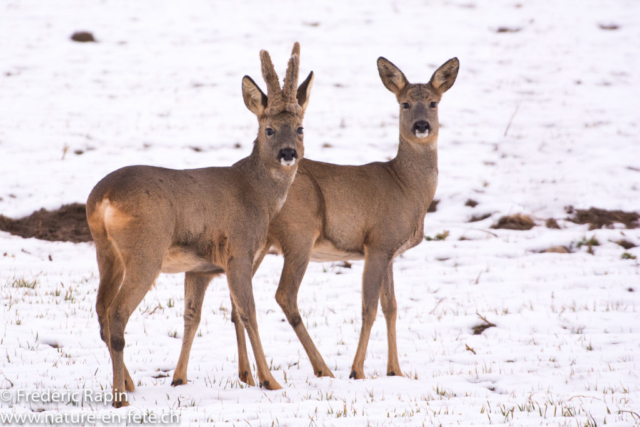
(476, 218)
(626, 244)
(433, 206)
(552, 223)
(67, 224)
(515, 222)
(598, 218)
(83, 37)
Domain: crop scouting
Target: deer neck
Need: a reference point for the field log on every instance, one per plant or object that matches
(416, 167)
(270, 184)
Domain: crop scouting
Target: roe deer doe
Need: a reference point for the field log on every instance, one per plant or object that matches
(373, 212)
(203, 222)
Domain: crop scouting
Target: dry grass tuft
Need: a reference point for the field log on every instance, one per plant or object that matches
(480, 328)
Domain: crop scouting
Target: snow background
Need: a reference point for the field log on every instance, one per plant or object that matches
(162, 87)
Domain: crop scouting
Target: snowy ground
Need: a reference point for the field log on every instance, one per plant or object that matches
(162, 87)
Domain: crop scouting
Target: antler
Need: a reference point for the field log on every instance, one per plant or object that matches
(289, 89)
(270, 77)
(286, 98)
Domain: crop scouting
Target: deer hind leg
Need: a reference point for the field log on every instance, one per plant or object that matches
(376, 265)
(390, 310)
(239, 277)
(195, 287)
(111, 274)
(141, 270)
(295, 265)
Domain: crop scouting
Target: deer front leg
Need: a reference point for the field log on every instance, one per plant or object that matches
(244, 368)
(195, 287)
(295, 265)
(390, 310)
(376, 265)
(239, 274)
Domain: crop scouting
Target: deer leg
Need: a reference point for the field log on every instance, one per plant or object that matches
(390, 310)
(111, 275)
(295, 265)
(195, 286)
(260, 257)
(244, 367)
(239, 277)
(376, 265)
(139, 276)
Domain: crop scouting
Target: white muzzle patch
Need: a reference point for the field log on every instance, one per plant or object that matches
(422, 134)
(284, 162)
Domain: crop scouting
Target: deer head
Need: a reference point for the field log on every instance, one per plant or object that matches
(280, 112)
(418, 102)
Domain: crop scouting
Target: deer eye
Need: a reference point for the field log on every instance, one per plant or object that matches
(405, 105)
(433, 104)
(300, 130)
(270, 132)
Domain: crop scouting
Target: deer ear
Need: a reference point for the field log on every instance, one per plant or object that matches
(304, 92)
(445, 76)
(392, 78)
(254, 98)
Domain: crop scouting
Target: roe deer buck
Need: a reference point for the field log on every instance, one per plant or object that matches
(203, 222)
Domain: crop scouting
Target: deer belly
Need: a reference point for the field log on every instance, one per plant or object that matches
(177, 260)
(325, 251)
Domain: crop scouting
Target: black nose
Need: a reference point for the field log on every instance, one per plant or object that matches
(421, 126)
(287, 154)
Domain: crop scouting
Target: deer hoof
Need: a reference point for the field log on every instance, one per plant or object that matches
(324, 373)
(270, 385)
(120, 404)
(177, 382)
(356, 375)
(246, 378)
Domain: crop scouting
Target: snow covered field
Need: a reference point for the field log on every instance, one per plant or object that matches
(162, 87)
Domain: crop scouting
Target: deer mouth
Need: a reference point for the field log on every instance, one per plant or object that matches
(422, 134)
(284, 162)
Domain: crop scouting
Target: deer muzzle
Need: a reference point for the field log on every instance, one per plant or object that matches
(287, 156)
(421, 128)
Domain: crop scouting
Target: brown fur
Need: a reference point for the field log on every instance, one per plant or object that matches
(147, 220)
(372, 212)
